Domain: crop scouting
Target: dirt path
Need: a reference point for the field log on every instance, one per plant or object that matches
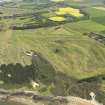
(71, 101)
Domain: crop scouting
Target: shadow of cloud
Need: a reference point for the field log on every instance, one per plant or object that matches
(18, 73)
(39, 70)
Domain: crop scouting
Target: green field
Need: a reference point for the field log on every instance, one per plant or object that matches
(8, 103)
(68, 62)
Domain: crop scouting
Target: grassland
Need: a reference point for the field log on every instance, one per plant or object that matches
(69, 63)
(9, 103)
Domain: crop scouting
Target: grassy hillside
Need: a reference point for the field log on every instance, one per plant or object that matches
(68, 62)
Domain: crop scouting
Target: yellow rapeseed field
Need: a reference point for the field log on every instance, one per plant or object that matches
(57, 18)
(69, 10)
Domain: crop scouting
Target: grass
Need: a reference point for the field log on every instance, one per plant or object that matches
(10, 103)
(75, 56)
(93, 12)
(86, 26)
(97, 14)
(66, 55)
(100, 8)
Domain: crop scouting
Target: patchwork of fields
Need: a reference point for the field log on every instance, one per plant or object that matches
(69, 63)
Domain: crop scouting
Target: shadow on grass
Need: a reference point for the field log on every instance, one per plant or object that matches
(40, 70)
(56, 82)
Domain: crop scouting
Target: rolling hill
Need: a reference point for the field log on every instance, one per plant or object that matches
(68, 62)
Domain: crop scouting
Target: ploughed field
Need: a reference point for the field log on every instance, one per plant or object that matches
(69, 62)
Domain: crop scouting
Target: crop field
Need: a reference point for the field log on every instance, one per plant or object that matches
(69, 62)
(68, 10)
(61, 12)
(57, 18)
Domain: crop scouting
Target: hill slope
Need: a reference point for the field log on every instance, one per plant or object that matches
(68, 62)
